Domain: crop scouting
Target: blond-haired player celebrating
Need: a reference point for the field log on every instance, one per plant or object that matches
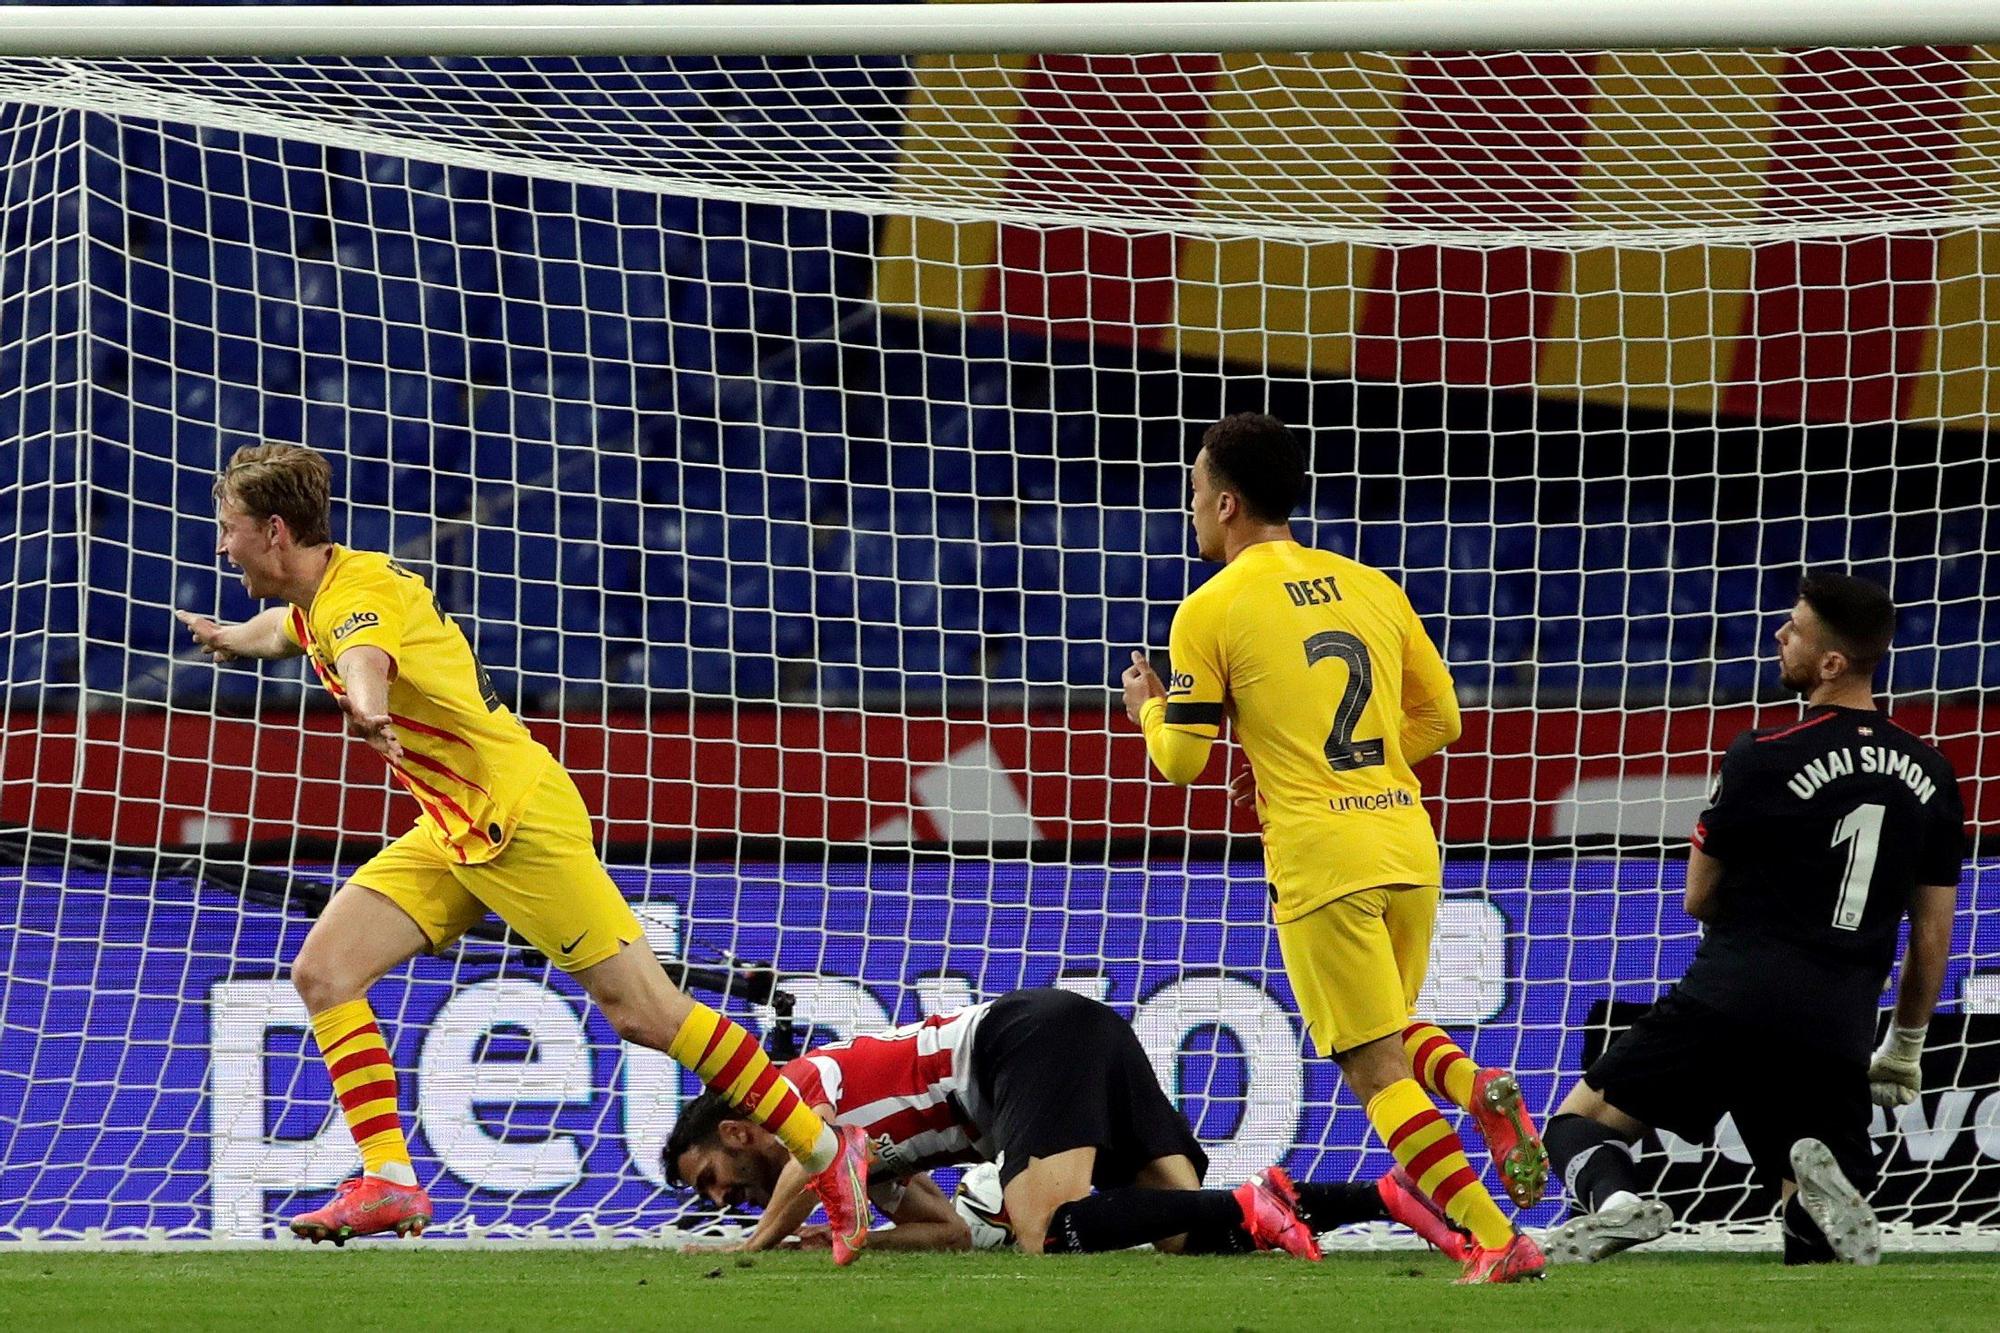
(502, 828)
(1335, 692)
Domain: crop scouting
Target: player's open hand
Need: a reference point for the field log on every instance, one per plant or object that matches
(375, 728)
(207, 636)
(1141, 683)
(1243, 788)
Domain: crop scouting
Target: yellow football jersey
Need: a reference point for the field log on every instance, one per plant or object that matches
(466, 758)
(1319, 659)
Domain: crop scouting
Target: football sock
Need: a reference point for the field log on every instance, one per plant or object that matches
(1121, 1219)
(1592, 1159)
(1805, 1243)
(1432, 1156)
(728, 1059)
(1339, 1204)
(1440, 1064)
(364, 1081)
(1220, 1238)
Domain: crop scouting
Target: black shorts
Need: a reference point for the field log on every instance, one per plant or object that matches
(1057, 1071)
(1683, 1065)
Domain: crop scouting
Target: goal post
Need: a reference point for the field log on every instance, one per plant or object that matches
(1090, 27)
(795, 404)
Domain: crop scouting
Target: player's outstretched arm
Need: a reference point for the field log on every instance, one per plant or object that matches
(1895, 1074)
(261, 636)
(925, 1220)
(792, 1202)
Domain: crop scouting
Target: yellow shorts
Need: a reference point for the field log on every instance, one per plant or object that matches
(546, 883)
(1357, 963)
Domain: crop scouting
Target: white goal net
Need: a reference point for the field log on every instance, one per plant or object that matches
(803, 442)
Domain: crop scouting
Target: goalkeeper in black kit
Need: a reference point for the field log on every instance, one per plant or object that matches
(1821, 836)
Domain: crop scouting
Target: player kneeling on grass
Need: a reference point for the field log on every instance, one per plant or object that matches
(1054, 1086)
(1821, 835)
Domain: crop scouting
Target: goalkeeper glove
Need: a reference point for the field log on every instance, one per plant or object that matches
(1894, 1074)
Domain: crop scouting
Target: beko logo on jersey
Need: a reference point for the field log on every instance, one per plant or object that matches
(1843, 762)
(359, 620)
(1313, 592)
(1180, 682)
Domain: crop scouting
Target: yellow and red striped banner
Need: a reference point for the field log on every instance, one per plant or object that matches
(1869, 328)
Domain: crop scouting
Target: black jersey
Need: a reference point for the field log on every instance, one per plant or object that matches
(1824, 828)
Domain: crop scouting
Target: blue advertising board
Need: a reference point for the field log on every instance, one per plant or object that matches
(156, 1073)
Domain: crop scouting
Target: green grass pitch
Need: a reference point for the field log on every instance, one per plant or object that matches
(435, 1286)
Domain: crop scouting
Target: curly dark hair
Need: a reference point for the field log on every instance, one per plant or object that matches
(1255, 455)
(699, 1123)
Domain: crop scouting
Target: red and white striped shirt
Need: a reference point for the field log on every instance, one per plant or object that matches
(906, 1088)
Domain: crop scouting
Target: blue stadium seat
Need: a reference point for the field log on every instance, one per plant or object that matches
(1045, 660)
(1426, 588)
(1125, 624)
(962, 608)
(1083, 574)
(1469, 593)
(1125, 576)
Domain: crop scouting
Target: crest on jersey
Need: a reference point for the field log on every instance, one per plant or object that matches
(359, 620)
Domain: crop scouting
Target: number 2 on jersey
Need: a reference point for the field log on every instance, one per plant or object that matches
(1862, 831)
(1343, 754)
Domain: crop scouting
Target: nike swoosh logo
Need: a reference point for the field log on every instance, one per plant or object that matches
(383, 1202)
(571, 946)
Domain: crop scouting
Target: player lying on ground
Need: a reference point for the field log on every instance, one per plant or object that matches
(1820, 835)
(502, 828)
(1057, 1088)
(1335, 691)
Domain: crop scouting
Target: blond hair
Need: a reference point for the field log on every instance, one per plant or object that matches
(287, 481)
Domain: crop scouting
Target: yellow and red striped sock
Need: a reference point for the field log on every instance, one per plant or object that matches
(1441, 1064)
(1432, 1156)
(728, 1059)
(365, 1082)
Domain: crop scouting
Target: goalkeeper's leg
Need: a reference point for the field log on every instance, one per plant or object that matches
(1807, 1127)
(1590, 1143)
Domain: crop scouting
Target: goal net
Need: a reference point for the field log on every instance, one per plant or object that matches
(803, 440)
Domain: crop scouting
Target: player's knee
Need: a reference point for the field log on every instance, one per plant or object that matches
(1373, 1066)
(1039, 1225)
(1031, 1238)
(321, 982)
(638, 1023)
(1587, 1102)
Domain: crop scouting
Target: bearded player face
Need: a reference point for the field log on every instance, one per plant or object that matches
(1803, 646)
(738, 1166)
